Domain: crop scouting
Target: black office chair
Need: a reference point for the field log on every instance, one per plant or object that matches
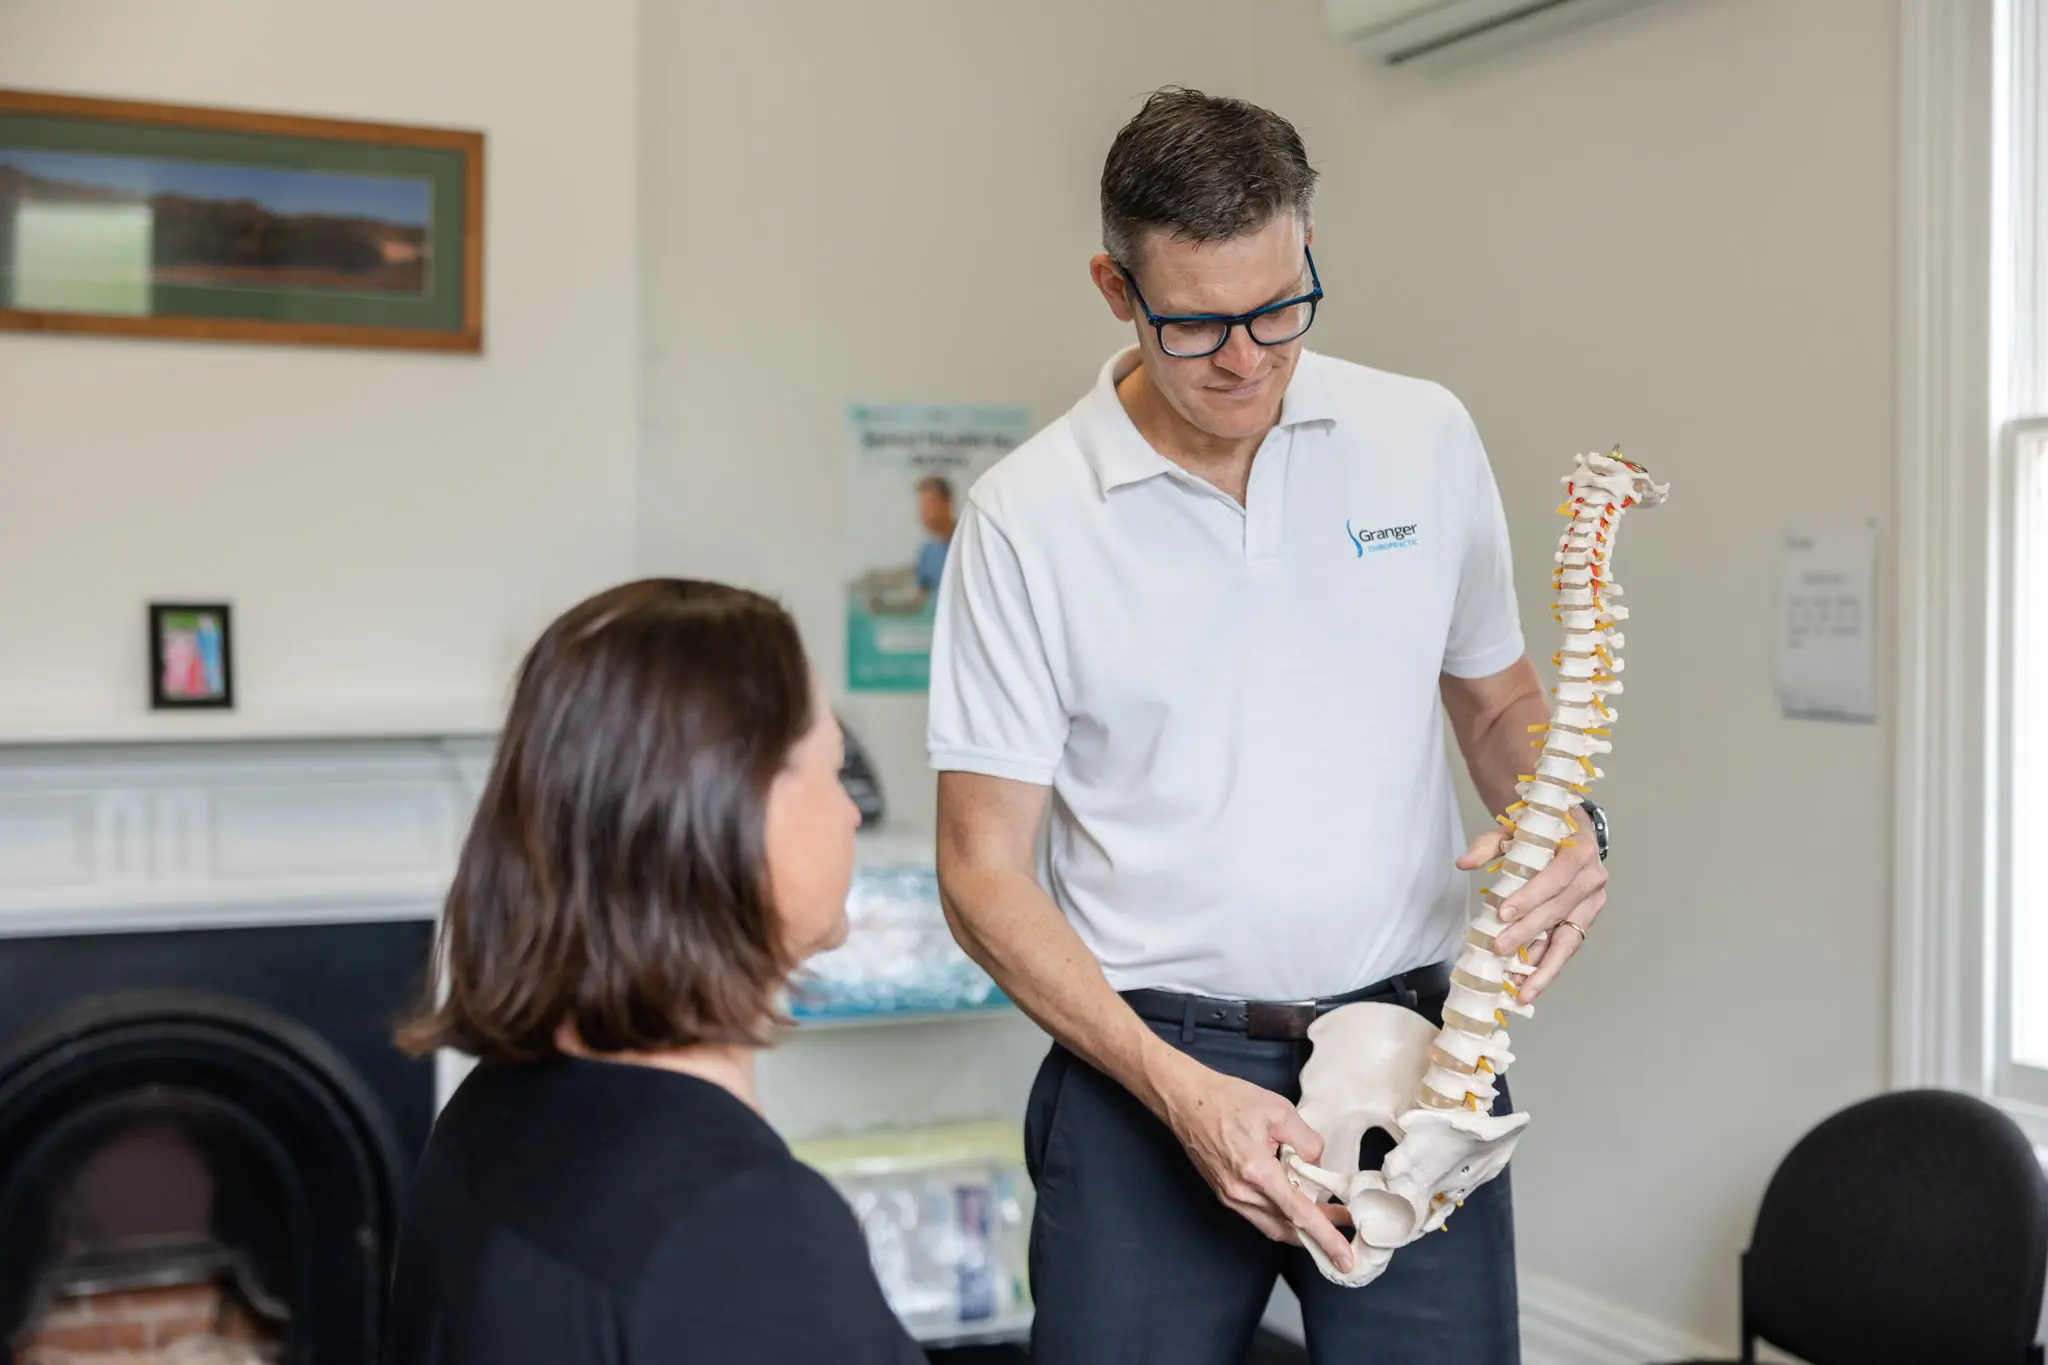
(1909, 1229)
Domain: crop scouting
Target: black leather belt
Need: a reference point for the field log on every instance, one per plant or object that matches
(1280, 1019)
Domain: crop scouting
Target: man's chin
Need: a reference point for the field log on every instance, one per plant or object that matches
(1237, 417)
(1233, 422)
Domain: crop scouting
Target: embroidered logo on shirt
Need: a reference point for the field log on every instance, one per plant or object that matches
(1386, 538)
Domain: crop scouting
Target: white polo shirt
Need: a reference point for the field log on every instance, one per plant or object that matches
(1236, 708)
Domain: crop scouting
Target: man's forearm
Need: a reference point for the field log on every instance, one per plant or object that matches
(1011, 928)
(1500, 753)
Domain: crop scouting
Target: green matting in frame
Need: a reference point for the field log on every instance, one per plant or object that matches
(168, 220)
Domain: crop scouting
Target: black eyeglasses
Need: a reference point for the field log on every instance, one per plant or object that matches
(1190, 336)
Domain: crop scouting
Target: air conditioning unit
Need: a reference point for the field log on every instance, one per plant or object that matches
(1401, 31)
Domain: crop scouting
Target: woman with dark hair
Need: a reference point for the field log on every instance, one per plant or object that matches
(663, 838)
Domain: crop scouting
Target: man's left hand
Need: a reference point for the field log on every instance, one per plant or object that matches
(1570, 892)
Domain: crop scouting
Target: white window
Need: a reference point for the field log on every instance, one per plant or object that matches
(2018, 563)
(1970, 942)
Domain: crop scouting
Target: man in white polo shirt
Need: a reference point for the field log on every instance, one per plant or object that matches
(1213, 618)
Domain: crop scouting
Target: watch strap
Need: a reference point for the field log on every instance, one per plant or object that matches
(1599, 819)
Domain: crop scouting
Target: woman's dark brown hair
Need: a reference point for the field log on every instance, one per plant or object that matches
(615, 873)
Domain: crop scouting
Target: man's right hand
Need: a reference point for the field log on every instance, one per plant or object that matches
(1233, 1130)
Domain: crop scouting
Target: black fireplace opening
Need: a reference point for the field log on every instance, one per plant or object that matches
(208, 1136)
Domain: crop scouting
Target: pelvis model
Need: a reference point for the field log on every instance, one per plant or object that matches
(1380, 1066)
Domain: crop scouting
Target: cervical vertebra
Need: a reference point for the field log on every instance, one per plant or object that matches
(1383, 1066)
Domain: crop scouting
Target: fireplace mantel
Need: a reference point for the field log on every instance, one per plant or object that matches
(123, 835)
(44, 727)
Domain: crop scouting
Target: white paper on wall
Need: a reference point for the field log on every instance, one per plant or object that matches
(1827, 608)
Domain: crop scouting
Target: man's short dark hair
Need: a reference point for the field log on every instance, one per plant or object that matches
(934, 483)
(1203, 169)
(615, 874)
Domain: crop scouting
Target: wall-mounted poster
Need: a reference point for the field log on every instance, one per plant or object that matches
(911, 468)
(162, 220)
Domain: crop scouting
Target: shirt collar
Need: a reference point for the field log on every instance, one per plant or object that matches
(1119, 455)
(1308, 398)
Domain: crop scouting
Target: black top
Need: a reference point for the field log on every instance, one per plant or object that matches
(591, 1213)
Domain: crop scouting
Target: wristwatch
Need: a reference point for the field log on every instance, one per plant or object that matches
(1599, 819)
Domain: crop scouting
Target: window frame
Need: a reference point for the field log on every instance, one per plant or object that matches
(2023, 457)
(1967, 251)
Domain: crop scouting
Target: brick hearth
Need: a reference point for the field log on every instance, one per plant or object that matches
(188, 1324)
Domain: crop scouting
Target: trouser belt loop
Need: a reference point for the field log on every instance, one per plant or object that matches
(1187, 1021)
(1404, 990)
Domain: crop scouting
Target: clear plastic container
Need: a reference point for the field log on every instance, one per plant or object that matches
(899, 957)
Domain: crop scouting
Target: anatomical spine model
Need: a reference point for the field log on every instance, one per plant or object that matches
(1381, 1066)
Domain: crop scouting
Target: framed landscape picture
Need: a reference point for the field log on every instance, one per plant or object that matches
(166, 220)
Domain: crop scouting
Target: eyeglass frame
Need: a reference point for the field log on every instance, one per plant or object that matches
(1229, 320)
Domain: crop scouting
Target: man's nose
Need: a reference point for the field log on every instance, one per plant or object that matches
(1240, 354)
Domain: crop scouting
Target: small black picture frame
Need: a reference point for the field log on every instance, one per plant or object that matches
(191, 657)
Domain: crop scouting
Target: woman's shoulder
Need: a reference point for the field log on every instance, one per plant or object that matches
(786, 1185)
(544, 1144)
(596, 1100)
(771, 1265)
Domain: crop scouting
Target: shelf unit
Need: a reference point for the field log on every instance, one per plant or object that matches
(916, 1154)
(1005, 1329)
(908, 1155)
(810, 1020)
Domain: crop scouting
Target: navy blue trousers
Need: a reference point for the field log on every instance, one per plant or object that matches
(1135, 1260)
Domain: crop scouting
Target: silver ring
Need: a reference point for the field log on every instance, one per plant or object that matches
(1568, 924)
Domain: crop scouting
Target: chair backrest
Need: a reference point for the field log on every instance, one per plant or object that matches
(1907, 1229)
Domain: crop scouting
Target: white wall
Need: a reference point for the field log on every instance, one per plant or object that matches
(1673, 230)
(392, 527)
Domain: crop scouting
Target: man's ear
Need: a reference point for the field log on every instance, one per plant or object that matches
(1115, 290)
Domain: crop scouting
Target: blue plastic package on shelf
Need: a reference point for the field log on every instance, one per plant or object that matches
(899, 957)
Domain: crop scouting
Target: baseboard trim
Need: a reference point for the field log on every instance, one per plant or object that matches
(1564, 1325)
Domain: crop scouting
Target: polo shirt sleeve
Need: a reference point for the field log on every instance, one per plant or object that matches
(994, 707)
(1486, 622)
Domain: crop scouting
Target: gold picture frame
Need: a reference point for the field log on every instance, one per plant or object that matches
(121, 218)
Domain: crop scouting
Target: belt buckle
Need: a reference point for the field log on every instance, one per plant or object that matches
(1278, 1019)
